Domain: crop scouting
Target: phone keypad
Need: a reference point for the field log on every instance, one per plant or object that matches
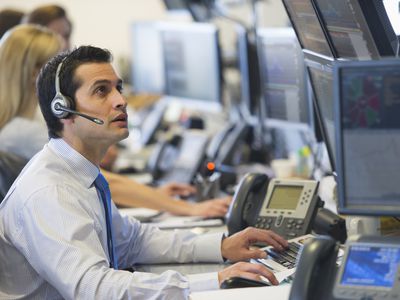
(287, 227)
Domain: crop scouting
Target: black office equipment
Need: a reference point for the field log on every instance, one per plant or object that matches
(240, 282)
(306, 23)
(287, 207)
(320, 70)
(368, 133)
(247, 57)
(10, 167)
(316, 270)
(358, 29)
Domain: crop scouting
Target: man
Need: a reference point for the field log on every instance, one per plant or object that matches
(61, 237)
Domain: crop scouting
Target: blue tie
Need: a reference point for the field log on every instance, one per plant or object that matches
(101, 185)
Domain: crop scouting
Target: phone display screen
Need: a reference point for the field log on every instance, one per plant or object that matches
(285, 197)
(373, 266)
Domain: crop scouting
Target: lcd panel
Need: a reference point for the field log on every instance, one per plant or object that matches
(358, 29)
(368, 136)
(371, 266)
(307, 26)
(285, 197)
(283, 74)
(191, 58)
(321, 79)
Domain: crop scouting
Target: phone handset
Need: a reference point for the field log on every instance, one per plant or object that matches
(164, 156)
(316, 269)
(246, 200)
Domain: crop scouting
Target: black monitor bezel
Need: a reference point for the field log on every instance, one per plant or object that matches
(312, 60)
(374, 17)
(367, 210)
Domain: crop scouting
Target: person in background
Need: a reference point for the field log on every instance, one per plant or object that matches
(9, 18)
(22, 53)
(53, 17)
(58, 226)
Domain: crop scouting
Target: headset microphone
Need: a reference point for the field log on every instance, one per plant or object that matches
(59, 107)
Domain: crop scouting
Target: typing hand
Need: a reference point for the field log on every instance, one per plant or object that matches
(237, 246)
(247, 270)
(212, 208)
(177, 189)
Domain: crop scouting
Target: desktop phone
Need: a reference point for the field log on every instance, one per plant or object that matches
(370, 269)
(286, 206)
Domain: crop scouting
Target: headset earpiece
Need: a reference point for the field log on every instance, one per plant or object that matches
(59, 100)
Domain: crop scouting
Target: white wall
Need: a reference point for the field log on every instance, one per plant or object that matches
(106, 23)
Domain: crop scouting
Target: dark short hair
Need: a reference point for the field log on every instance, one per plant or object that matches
(69, 84)
(8, 19)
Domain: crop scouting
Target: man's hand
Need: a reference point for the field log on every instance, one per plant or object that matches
(237, 246)
(247, 270)
(211, 208)
(177, 189)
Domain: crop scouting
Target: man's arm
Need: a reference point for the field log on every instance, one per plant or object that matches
(127, 192)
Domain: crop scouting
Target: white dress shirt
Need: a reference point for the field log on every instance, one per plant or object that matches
(53, 241)
(23, 137)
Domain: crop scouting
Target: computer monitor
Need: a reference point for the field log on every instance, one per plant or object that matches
(283, 75)
(305, 22)
(358, 29)
(367, 97)
(192, 63)
(321, 78)
(147, 58)
(247, 59)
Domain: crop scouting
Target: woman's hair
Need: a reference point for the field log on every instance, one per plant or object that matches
(23, 51)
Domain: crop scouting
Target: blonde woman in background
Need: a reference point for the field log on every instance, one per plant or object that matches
(23, 51)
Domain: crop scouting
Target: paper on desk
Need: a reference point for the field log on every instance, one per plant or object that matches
(187, 222)
(280, 292)
(142, 214)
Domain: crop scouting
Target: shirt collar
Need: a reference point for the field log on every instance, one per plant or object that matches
(85, 171)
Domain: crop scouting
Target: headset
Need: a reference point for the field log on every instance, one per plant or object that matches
(61, 105)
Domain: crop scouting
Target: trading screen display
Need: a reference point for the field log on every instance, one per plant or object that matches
(322, 85)
(191, 59)
(307, 26)
(285, 197)
(370, 135)
(347, 29)
(371, 266)
(283, 77)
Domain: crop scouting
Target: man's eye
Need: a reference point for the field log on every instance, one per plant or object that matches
(101, 90)
(120, 88)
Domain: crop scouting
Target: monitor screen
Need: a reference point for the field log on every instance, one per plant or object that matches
(367, 98)
(191, 61)
(321, 79)
(307, 26)
(284, 85)
(371, 266)
(147, 58)
(357, 28)
(247, 59)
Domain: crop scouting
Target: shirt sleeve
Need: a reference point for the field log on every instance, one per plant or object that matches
(60, 240)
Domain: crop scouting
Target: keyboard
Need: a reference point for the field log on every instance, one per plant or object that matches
(283, 264)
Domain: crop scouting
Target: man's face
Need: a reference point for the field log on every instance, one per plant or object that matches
(100, 96)
(63, 28)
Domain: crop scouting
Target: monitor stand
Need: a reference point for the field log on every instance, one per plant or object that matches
(358, 225)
